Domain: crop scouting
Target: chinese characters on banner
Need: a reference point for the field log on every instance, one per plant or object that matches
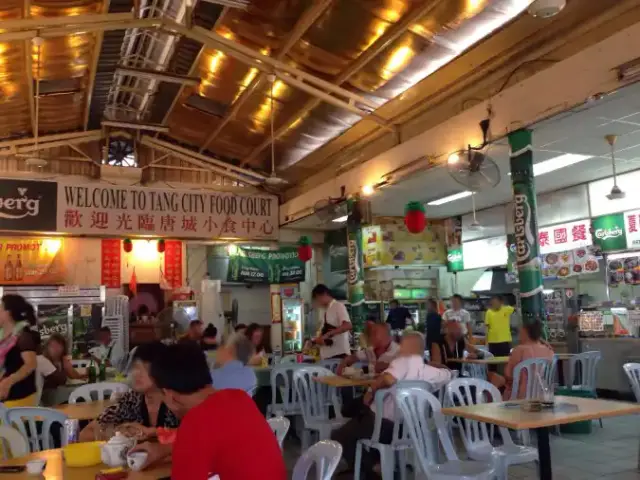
(116, 210)
(632, 224)
(111, 263)
(173, 263)
(566, 236)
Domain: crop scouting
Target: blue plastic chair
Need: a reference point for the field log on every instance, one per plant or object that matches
(279, 427)
(22, 417)
(419, 408)
(584, 366)
(532, 367)
(399, 443)
(325, 455)
(315, 399)
(282, 380)
(477, 370)
(330, 364)
(633, 373)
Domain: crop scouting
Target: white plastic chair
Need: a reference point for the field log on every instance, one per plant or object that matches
(17, 444)
(532, 367)
(314, 399)
(280, 427)
(330, 364)
(127, 367)
(31, 416)
(477, 370)
(102, 391)
(586, 363)
(325, 455)
(633, 373)
(294, 358)
(399, 440)
(282, 381)
(80, 363)
(477, 436)
(418, 408)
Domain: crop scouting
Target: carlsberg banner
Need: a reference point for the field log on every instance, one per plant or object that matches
(266, 266)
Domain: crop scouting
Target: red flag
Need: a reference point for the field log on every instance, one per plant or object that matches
(133, 283)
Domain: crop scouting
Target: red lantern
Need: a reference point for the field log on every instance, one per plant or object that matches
(304, 249)
(414, 218)
(127, 245)
(161, 245)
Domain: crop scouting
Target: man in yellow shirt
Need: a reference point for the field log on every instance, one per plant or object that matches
(498, 322)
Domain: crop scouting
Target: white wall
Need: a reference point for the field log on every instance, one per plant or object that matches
(465, 282)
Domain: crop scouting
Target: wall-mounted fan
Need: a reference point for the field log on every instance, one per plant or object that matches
(473, 168)
(121, 151)
(328, 209)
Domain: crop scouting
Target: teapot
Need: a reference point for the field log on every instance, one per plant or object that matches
(114, 452)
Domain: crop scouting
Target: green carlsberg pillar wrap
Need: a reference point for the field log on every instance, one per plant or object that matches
(525, 221)
(355, 274)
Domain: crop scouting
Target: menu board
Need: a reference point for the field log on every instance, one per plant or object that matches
(570, 263)
(111, 258)
(624, 271)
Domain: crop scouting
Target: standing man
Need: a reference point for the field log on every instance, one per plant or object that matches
(398, 316)
(107, 350)
(334, 338)
(459, 314)
(433, 328)
(498, 322)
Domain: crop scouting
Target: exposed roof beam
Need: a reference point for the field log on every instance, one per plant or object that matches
(99, 37)
(43, 145)
(29, 72)
(64, 21)
(76, 137)
(304, 23)
(152, 127)
(158, 75)
(363, 60)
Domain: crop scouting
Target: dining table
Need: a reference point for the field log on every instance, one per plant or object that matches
(481, 361)
(340, 381)
(513, 415)
(56, 469)
(84, 410)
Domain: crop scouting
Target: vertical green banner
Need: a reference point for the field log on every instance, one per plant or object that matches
(455, 262)
(355, 274)
(525, 222)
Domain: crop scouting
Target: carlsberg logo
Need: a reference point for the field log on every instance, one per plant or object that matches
(353, 262)
(454, 257)
(522, 224)
(19, 206)
(606, 233)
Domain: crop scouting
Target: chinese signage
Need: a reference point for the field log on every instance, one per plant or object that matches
(632, 228)
(566, 236)
(111, 267)
(35, 261)
(391, 244)
(266, 266)
(27, 205)
(609, 232)
(173, 263)
(455, 262)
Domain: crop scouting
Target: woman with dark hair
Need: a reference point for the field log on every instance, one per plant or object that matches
(255, 333)
(530, 346)
(55, 363)
(141, 411)
(18, 347)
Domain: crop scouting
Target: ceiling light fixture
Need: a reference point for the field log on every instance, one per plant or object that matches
(453, 158)
(450, 198)
(368, 190)
(340, 219)
(559, 162)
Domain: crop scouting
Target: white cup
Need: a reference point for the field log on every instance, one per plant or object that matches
(136, 460)
(35, 467)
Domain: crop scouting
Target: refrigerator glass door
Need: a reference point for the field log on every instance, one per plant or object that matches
(292, 325)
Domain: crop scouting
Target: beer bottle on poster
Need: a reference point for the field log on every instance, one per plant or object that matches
(8, 270)
(19, 270)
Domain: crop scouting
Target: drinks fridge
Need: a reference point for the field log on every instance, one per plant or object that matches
(292, 319)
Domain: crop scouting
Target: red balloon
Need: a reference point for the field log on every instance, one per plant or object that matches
(304, 252)
(415, 221)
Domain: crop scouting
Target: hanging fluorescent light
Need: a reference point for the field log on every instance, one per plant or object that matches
(340, 219)
(450, 198)
(556, 163)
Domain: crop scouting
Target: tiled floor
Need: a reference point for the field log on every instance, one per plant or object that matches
(609, 453)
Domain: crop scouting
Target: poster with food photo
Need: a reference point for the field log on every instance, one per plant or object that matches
(585, 261)
(557, 265)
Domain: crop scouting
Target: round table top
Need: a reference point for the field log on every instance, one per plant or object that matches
(57, 470)
(84, 411)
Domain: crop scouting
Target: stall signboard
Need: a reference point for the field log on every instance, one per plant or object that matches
(31, 261)
(566, 236)
(391, 244)
(173, 263)
(266, 266)
(27, 205)
(609, 232)
(111, 253)
(455, 261)
(100, 209)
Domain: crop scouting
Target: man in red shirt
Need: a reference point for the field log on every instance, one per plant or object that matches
(218, 427)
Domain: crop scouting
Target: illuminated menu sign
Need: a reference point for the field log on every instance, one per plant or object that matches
(566, 236)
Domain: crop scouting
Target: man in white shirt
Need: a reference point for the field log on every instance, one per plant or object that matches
(380, 352)
(458, 314)
(409, 365)
(107, 349)
(334, 339)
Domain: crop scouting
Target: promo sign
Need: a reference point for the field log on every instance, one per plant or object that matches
(266, 266)
(31, 261)
(455, 261)
(99, 209)
(567, 236)
(28, 205)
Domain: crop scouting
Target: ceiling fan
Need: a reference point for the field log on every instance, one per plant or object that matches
(273, 180)
(616, 192)
(31, 160)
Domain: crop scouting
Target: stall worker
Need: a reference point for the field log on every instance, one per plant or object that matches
(334, 337)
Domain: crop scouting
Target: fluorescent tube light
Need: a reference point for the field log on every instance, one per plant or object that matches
(450, 198)
(340, 219)
(557, 163)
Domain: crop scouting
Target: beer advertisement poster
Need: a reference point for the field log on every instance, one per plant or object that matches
(53, 319)
(34, 261)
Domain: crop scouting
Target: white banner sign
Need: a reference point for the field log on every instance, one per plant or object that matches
(566, 236)
(632, 228)
(99, 209)
(489, 252)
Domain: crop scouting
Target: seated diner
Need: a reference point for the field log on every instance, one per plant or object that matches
(380, 352)
(55, 363)
(452, 345)
(231, 365)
